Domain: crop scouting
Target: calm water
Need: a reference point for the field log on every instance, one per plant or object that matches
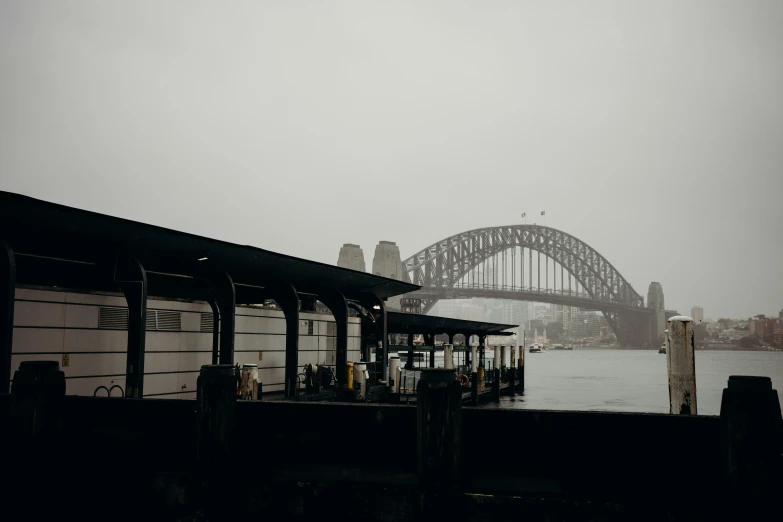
(632, 380)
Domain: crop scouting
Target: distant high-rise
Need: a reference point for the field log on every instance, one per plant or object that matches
(697, 314)
(351, 256)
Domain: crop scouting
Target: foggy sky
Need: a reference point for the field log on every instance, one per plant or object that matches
(653, 131)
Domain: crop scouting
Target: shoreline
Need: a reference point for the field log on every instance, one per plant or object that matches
(708, 347)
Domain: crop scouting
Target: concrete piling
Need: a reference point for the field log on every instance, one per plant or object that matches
(681, 365)
(439, 402)
(448, 356)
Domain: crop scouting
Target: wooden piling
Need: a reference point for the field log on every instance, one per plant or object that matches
(439, 402)
(750, 440)
(216, 397)
(681, 365)
(37, 394)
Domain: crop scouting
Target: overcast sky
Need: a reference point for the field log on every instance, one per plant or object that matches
(653, 131)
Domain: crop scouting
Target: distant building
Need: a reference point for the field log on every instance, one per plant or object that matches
(697, 314)
(762, 327)
(777, 335)
(734, 334)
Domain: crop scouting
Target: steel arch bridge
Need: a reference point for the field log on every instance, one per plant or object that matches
(491, 262)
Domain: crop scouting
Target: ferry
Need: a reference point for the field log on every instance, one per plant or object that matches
(536, 348)
(561, 347)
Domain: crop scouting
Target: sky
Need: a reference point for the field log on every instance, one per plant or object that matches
(653, 131)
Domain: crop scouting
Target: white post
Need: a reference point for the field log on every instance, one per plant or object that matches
(502, 356)
(682, 365)
(448, 356)
(497, 362)
(474, 359)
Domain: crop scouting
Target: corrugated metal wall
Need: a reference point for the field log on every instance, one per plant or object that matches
(87, 334)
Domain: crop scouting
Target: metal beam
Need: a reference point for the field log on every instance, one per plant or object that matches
(7, 290)
(287, 299)
(337, 304)
(215, 330)
(377, 307)
(223, 292)
(132, 278)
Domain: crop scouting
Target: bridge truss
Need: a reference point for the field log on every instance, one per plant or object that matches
(498, 262)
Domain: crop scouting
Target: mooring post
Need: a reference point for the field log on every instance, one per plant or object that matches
(512, 381)
(682, 366)
(439, 403)
(216, 397)
(521, 368)
(37, 394)
(36, 408)
(751, 425)
(448, 356)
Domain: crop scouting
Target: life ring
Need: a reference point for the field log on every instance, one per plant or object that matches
(463, 380)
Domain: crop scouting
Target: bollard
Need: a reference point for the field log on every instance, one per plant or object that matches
(474, 382)
(750, 420)
(216, 396)
(439, 403)
(681, 365)
(512, 381)
(448, 356)
(521, 370)
(37, 394)
(34, 459)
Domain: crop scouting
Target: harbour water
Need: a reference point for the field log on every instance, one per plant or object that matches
(632, 380)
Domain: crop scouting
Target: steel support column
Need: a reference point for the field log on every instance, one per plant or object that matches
(224, 294)
(286, 298)
(377, 308)
(215, 330)
(132, 277)
(336, 302)
(429, 340)
(7, 290)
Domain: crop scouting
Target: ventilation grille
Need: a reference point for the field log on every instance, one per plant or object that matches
(169, 321)
(113, 318)
(164, 320)
(207, 322)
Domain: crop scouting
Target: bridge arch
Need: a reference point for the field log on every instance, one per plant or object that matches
(451, 262)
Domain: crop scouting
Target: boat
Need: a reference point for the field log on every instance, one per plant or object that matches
(536, 348)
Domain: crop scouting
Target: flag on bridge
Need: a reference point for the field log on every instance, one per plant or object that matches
(524, 214)
(543, 212)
